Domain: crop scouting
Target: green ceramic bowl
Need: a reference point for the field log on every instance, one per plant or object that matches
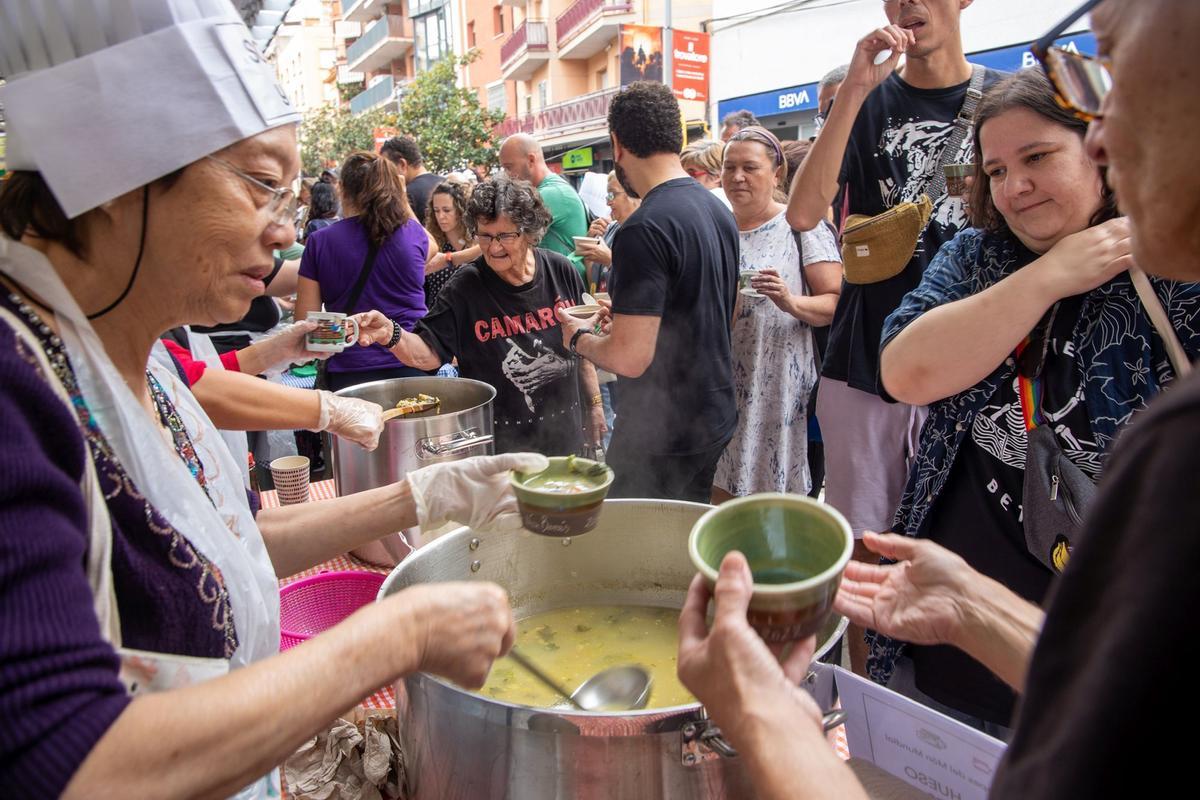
(797, 548)
(548, 509)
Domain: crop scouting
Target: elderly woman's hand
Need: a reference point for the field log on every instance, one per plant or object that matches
(729, 668)
(596, 252)
(474, 492)
(599, 226)
(373, 328)
(459, 629)
(596, 425)
(570, 325)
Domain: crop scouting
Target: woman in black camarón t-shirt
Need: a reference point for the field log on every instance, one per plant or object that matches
(496, 316)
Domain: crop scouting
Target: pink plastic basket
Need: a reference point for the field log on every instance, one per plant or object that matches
(315, 604)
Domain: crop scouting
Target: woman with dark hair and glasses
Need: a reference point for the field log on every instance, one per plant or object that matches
(446, 224)
(496, 316)
(1028, 319)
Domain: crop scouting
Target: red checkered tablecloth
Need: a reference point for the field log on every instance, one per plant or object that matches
(385, 698)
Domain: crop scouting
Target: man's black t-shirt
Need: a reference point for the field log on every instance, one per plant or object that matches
(1121, 625)
(895, 146)
(420, 189)
(677, 259)
(507, 336)
(978, 513)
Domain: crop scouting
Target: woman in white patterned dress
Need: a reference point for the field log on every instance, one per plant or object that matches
(774, 362)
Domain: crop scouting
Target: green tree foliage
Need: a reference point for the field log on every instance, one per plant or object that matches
(329, 134)
(453, 129)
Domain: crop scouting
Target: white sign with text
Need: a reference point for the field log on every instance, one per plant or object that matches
(936, 754)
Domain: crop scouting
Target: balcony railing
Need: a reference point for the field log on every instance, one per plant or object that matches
(581, 12)
(582, 110)
(529, 35)
(376, 95)
(389, 25)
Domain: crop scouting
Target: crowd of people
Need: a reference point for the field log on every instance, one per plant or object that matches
(958, 397)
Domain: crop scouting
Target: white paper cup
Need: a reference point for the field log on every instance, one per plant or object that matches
(583, 240)
(744, 287)
(290, 475)
(331, 333)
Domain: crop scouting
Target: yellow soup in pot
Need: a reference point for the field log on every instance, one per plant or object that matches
(573, 644)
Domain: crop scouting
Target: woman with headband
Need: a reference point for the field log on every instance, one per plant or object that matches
(793, 283)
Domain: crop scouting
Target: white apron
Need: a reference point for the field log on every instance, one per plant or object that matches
(222, 529)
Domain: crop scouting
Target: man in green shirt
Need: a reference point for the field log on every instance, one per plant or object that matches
(522, 158)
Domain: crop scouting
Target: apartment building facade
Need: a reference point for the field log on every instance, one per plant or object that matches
(553, 66)
(397, 40)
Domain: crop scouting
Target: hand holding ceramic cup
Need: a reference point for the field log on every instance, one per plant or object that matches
(331, 334)
(797, 548)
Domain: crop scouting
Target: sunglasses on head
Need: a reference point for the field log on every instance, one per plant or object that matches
(1081, 82)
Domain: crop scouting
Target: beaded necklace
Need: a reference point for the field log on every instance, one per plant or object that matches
(171, 420)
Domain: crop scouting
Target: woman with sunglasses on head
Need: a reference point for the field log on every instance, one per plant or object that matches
(497, 318)
(794, 289)
(1028, 319)
(702, 161)
(378, 233)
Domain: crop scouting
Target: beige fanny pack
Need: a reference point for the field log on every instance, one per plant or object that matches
(879, 247)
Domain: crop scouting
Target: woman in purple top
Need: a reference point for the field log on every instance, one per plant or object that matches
(376, 212)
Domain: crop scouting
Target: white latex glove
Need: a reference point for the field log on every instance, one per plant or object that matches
(474, 492)
(360, 421)
(280, 350)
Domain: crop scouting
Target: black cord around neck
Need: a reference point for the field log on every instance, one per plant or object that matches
(136, 264)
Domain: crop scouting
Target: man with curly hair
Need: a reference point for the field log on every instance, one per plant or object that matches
(672, 308)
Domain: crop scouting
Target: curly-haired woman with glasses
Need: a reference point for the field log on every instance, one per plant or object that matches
(496, 316)
(445, 222)
(1028, 320)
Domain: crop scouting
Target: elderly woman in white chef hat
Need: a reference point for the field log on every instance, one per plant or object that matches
(151, 151)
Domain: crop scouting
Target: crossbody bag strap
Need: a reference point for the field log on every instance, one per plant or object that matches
(1162, 323)
(361, 282)
(962, 126)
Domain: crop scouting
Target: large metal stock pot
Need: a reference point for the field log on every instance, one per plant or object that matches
(462, 427)
(460, 745)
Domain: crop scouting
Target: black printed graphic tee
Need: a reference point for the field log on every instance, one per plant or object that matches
(507, 336)
(895, 145)
(979, 513)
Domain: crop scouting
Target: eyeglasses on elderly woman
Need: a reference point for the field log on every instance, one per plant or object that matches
(1081, 82)
(281, 206)
(486, 239)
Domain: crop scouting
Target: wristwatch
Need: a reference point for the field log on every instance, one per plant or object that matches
(396, 331)
(575, 340)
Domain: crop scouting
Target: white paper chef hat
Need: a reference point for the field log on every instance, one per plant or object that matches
(104, 96)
